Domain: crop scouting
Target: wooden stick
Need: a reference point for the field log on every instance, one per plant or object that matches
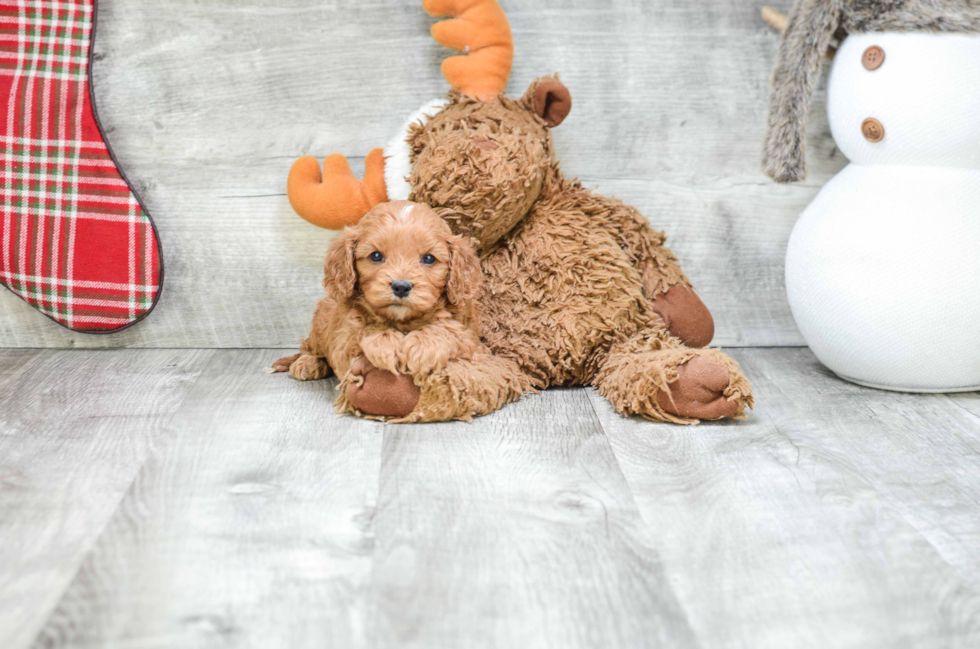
(774, 18)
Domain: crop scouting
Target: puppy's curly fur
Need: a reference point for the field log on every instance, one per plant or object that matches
(362, 324)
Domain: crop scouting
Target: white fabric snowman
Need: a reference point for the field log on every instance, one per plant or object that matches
(883, 267)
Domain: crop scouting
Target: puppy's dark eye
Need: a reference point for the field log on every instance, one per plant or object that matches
(376, 257)
(428, 260)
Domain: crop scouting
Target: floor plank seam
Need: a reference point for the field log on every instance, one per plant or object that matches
(152, 448)
(963, 408)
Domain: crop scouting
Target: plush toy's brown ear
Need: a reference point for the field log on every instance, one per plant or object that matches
(549, 99)
(463, 283)
(339, 272)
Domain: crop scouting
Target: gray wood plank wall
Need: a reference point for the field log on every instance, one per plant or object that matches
(207, 104)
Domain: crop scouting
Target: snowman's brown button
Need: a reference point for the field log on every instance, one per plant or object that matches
(872, 130)
(873, 57)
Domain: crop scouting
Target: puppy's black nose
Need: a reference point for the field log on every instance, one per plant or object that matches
(401, 288)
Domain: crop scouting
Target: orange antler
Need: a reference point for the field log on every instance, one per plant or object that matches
(480, 29)
(335, 197)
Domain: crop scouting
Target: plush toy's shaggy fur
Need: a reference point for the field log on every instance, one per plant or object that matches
(572, 279)
(812, 24)
(579, 290)
(363, 324)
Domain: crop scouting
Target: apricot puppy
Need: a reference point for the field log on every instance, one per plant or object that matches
(402, 296)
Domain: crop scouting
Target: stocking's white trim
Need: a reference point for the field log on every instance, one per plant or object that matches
(397, 165)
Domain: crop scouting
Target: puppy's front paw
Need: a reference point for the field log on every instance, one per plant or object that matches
(282, 365)
(381, 349)
(421, 354)
(309, 368)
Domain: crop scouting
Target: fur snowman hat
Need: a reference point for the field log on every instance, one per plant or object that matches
(812, 25)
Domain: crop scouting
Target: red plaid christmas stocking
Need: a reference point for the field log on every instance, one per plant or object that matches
(76, 241)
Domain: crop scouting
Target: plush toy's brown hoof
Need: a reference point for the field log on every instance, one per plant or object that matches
(699, 391)
(685, 316)
(382, 393)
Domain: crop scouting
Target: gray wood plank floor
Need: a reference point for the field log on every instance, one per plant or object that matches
(166, 498)
(207, 104)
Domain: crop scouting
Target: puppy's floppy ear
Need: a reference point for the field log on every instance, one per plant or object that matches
(465, 276)
(339, 272)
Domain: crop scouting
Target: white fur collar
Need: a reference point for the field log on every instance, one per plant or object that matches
(397, 165)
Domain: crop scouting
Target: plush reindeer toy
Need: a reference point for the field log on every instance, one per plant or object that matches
(578, 289)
